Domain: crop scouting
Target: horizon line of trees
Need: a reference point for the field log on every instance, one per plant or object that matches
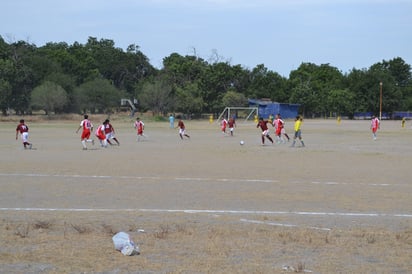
(93, 77)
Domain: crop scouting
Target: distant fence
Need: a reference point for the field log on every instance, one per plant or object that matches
(396, 115)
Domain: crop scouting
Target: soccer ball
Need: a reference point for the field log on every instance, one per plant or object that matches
(242, 143)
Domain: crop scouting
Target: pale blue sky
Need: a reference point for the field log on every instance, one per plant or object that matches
(281, 34)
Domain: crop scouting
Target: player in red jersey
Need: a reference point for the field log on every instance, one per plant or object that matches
(139, 126)
(265, 131)
(182, 129)
(100, 134)
(375, 125)
(232, 124)
(110, 134)
(278, 123)
(223, 125)
(23, 129)
(283, 131)
(87, 127)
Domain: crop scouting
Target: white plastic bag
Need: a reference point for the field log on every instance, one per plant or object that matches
(124, 244)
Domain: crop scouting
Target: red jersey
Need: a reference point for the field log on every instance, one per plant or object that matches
(375, 123)
(87, 127)
(231, 122)
(181, 125)
(224, 123)
(22, 128)
(86, 124)
(108, 128)
(139, 126)
(100, 132)
(278, 125)
(275, 123)
(263, 125)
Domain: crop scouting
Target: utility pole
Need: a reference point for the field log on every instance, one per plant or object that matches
(380, 100)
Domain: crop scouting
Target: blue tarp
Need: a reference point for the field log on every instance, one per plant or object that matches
(402, 114)
(368, 115)
(268, 108)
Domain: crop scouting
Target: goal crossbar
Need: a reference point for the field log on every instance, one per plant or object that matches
(229, 110)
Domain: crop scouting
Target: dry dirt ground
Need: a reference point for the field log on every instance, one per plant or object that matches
(342, 204)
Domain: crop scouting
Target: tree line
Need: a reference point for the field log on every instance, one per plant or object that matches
(93, 77)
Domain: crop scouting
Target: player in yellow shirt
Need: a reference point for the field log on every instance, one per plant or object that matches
(298, 132)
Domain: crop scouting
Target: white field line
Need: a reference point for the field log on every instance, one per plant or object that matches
(191, 179)
(283, 225)
(210, 211)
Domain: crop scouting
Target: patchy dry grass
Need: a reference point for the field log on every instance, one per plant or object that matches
(44, 230)
(220, 246)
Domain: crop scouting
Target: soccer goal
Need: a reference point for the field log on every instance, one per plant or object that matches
(245, 113)
(129, 103)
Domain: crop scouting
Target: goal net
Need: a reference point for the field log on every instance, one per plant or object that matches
(245, 113)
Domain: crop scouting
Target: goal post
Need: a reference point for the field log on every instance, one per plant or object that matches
(239, 112)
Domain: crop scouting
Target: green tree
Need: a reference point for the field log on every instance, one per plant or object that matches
(267, 84)
(399, 70)
(302, 94)
(366, 86)
(234, 99)
(341, 101)
(156, 96)
(4, 49)
(97, 96)
(310, 84)
(68, 83)
(240, 79)
(5, 93)
(7, 73)
(22, 81)
(41, 65)
(402, 85)
(123, 69)
(49, 97)
(189, 99)
(182, 69)
(80, 63)
(216, 80)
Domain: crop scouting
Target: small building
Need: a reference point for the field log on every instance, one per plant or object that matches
(266, 108)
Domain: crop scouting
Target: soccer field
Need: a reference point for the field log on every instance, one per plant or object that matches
(208, 204)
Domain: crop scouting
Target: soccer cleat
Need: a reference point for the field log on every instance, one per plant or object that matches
(85, 148)
(30, 146)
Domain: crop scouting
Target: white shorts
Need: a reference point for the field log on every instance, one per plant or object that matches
(266, 132)
(25, 137)
(182, 131)
(231, 129)
(109, 135)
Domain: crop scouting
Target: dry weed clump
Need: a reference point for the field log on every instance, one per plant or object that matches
(404, 237)
(22, 230)
(108, 229)
(176, 229)
(224, 246)
(81, 229)
(162, 232)
(299, 267)
(42, 225)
